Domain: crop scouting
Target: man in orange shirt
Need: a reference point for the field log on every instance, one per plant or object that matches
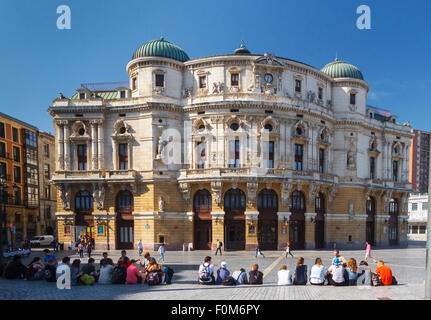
(385, 273)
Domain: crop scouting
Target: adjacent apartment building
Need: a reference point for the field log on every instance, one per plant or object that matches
(20, 171)
(420, 160)
(418, 217)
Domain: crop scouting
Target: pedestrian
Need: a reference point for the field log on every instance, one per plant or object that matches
(206, 272)
(255, 276)
(288, 250)
(318, 273)
(258, 252)
(140, 248)
(222, 273)
(90, 269)
(352, 272)
(55, 245)
(65, 263)
(284, 276)
(219, 245)
(300, 274)
(35, 270)
(81, 250)
(335, 273)
(162, 251)
(368, 252)
(89, 249)
(147, 259)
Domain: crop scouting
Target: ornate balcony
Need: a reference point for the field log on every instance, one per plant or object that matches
(94, 176)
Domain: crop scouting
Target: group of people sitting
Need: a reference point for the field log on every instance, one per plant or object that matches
(125, 271)
(206, 274)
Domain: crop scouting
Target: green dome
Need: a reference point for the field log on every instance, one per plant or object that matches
(341, 69)
(161, 48)
(242, 49)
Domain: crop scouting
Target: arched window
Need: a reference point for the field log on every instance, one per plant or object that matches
(297, 201)
(84, 201)
(234, 199)
(267, 200)
(393, 207)
(124, 200)
(202, 200)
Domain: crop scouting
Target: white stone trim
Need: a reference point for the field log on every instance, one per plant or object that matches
(218, 214)
(282, 215)
(63, 215)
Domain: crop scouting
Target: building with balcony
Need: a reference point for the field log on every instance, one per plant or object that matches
(19, 171)
(245, 148)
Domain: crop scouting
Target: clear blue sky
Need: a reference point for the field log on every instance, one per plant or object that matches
(38, 61)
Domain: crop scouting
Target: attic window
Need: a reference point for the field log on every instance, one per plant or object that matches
(201, 112)
(122, 94)
(81, 131)
(79, 115)
(269, 111)
(234, 79)
(202, 82)
(299, 116)
(160, 80)
(134, 83)
(234, 110)
(353, 98)
(82, 95)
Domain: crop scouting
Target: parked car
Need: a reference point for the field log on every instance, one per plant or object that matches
(43, 240)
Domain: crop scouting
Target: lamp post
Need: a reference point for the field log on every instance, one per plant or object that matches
(68, 221)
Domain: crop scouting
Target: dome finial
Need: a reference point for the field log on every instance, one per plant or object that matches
(336, 56)
(242, 44)
(242, 49)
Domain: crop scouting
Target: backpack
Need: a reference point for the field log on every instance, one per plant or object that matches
(394, 281)
(221, 244)
(118, 276)
(375, 280)
(169, 272)
(229, 281)
(87, 279)
(50, 274)
(205, 276)
(153, 278)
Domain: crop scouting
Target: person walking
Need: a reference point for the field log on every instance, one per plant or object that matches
(89, 248)
(162, 251)
(219, 245)
(368, 252)
(81, 250)
(258, 252)
(140, 248)
(288, 251)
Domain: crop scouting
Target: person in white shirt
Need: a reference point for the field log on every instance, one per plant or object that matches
(105, 276)
(318, 273)
(206, 272)
(335, 273)
(284, 276)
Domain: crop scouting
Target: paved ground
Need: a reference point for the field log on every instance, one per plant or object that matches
(408, 266)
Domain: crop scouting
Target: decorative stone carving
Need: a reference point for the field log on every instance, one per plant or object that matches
(161, 205)
(311, 96)
(187, 92)
(351, 159)
(118, 127)
(286, 190)
(252, 191)
(332, 193)
(216, 187)
(353, 107)
(313, 192)
(65, 195)
(329, 104)
(185, 191)
(269, 59)
(351, 207)
(404, 203)
(99, 195)
(234, 185)
(218, 87)
(160, 147)
(387, 195)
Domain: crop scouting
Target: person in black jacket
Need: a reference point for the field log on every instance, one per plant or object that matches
(255, 276)
(300, 274)
(15, 269)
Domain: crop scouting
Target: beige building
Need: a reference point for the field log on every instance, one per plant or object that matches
(240, 147)
(47, 191)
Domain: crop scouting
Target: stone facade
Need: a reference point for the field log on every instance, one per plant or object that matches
(271, 135)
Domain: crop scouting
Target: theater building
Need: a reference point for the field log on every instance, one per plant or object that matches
(245, 148)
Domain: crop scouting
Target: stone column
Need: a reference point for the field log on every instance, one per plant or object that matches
(310, 229)
(130, 153)
(100, 144)
(251, 240)
(60, 146)
(218, 229)
(66, 147)
(94, 145)
(114, 155)
(283, 229)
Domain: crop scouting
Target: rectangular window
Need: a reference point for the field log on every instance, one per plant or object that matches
(123, 156)
(47, 193)
(32, 176)
(46, 171)
(201, 155)
(15, 135)
(32, 196)
(82, 95)
(321, 160)
(2, 133)
(414, 206)
(320, 93)
(17, 195)
(422, 229)
(122, 94)
(372, 167)
(46, 150)
(16, 154)
(425, 206)
(234, 154)
(268, 161)
(2, 150)
(415, 229)
(31, 156)
(299, 150)
(298, 85)
(160, 80)
(82, 157)
(202, 82)
(353, 98)
(16, 174)
(31, 139)
(395, 170)
(3, 170)
(234, 79)
(134, 82)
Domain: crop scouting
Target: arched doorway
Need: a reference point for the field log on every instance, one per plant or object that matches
(319, 204)
(202, 206)
(267, 204)
(371, 215)
(393, 222)
(234, 220)
(124, 220)
(84, 220)
(297, 221)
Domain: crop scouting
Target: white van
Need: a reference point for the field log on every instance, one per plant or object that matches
(44, 240)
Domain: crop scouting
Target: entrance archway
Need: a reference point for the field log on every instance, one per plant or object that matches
(234, 220)
(267, 230)
(319, 235)
(297, 221)
(393, 222)
(371, 220)
(84, 220)
(124, 221)
(202, 206)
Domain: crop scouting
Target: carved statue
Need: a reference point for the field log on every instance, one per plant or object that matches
(311, 96)
(185, 190)
(286, 189)
(161, 204)
(65, 196)
(351, 207)
(160, 147)
(99, 195)
(350, 159)
(186, 92)
(217, 187)
(251, 191)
